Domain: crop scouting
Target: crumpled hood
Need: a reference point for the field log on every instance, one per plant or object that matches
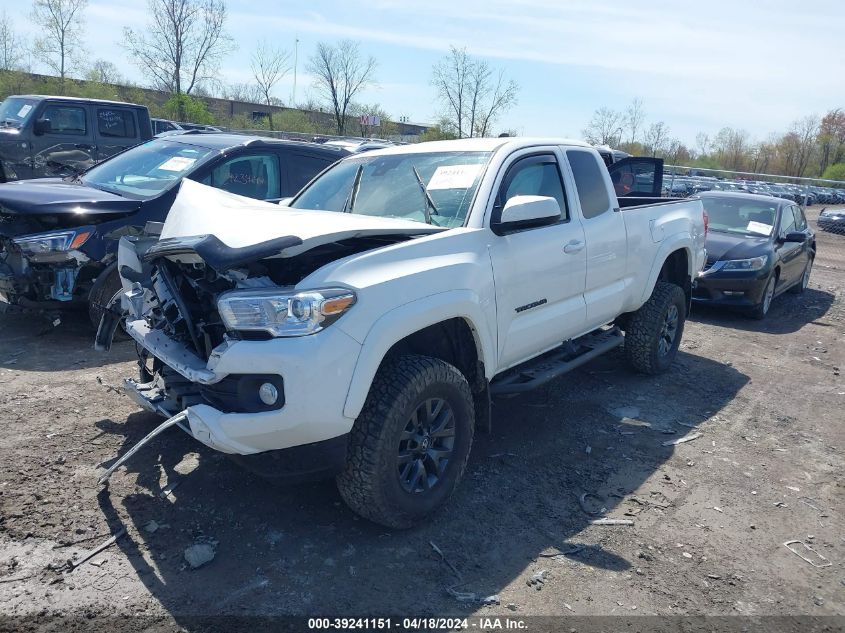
(43, 196)
(239, 222)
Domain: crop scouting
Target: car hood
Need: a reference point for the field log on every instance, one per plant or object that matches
(239, 222)
(53, 196)
(729, 246)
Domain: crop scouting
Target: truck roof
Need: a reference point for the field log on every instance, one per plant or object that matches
(78, 100)
(478, 145)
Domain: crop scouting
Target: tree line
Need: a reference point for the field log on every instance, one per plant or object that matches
(180, 51)
(812, 147)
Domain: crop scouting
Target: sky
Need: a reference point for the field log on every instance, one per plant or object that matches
(697, 66)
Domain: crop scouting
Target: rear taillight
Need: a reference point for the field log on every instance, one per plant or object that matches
(706, 222)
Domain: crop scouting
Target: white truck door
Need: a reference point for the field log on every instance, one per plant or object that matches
(539, 271)
(605, 235)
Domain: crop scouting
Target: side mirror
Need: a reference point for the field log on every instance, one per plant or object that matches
(526, 212)
(795, 236)
(41, 126)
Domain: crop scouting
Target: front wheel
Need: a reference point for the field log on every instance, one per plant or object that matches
(760, 311)
(409, 447)
(655, 330)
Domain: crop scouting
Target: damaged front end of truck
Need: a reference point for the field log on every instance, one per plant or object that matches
(223, 331)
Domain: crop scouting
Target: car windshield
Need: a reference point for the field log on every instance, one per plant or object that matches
(435, 187)
(735, 215)
(14, 111)
(147, 170)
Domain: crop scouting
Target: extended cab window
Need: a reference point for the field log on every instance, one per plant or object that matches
(115, 123)
(590, 183)
(533, 176)
(65, 119)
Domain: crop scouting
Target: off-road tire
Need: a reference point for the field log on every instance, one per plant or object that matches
(370, 483)
(643, 333)
(99, 298)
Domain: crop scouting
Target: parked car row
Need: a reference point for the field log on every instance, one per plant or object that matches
(684, 186)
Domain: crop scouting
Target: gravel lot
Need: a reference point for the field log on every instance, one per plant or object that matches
(710, 516)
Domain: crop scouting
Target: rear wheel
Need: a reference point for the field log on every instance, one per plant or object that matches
(760, 311)
(655, 330)
(805, 278)
(409, 447)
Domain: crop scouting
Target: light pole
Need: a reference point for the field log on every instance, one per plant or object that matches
(295, 63)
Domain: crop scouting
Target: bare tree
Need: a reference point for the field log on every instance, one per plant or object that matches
(104, 72)
(340, 73)
(12, 49)
(605, 128)
(634, 118)
(247, 92)
(182, 46)
(269, 66)
(473, 96)
(656, 137)
(60, 44)
(702, 143)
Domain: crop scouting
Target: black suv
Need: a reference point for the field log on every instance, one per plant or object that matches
(58, 237)
(60, 136)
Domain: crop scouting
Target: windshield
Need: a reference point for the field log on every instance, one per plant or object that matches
(14, 111)
(728, 215)
(145, 171)
(436, 187)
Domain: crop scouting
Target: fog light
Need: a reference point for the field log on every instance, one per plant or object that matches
(268, 394)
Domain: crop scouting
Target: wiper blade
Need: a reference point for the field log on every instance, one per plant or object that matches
(350, 200)
(428, 201)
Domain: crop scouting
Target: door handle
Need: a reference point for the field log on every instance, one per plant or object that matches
(574, 246)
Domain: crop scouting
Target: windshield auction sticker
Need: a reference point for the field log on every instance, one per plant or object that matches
(177, 163)
(454, 177)
(759, 227)
(24, 110)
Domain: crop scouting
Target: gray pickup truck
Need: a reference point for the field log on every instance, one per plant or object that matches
(44, 136)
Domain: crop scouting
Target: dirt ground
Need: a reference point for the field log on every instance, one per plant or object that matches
(710, 516)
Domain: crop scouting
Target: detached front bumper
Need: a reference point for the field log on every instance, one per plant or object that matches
(316, 372)
(30, 286)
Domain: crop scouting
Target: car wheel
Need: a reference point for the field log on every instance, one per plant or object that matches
(409, 447)
(760, 311)
(101, 295)
(654, 331)
(805, 278)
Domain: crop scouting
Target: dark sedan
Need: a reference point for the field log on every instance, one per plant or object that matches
(832, 220)
(58, 237)
(757, 248)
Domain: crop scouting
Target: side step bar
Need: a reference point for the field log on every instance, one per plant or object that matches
(550, 365)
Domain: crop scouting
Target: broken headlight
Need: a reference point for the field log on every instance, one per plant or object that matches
(53, 242)
(284, 313)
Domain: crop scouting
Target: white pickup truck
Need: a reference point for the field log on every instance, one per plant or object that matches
(362, 331)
